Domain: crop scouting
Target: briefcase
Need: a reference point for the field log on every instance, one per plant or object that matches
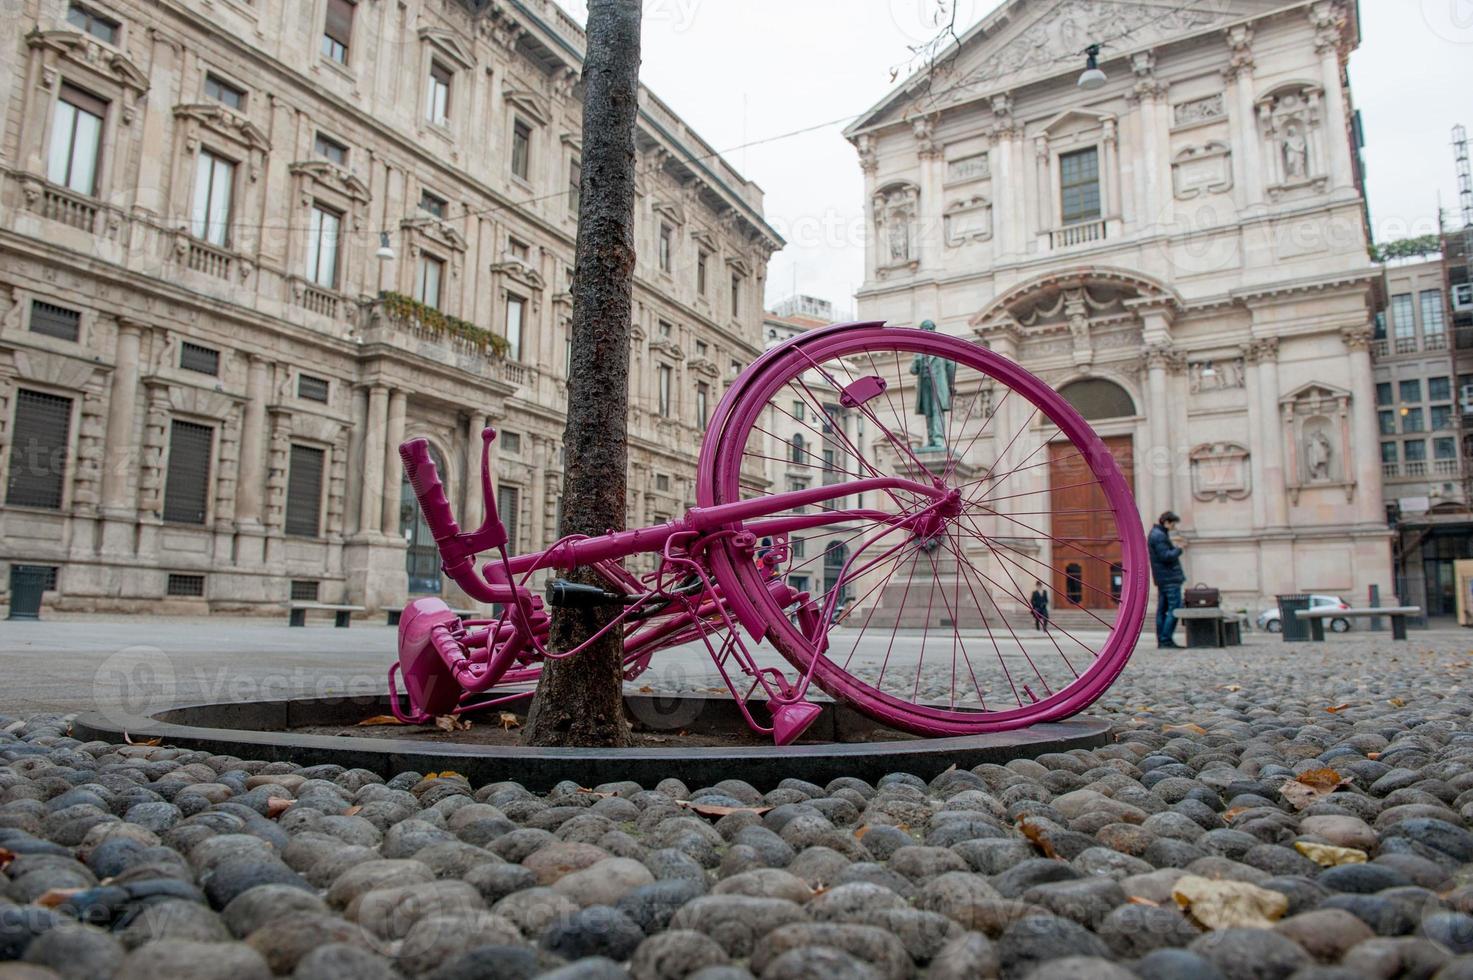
(1201, 596)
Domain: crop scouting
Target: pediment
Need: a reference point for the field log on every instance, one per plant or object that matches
(88, 51)
(449, 45)
(226, 123)
(669, 209)
(330, 176)
(435, 230)
(1076, 120)
(1027, 40)
(530, 103)
(1315, 392)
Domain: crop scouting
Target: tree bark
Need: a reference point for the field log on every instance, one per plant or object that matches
(580, 700)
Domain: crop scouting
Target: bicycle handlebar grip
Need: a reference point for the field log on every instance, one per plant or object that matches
(425, 480)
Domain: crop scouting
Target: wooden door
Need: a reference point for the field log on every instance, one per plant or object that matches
(1086, 554)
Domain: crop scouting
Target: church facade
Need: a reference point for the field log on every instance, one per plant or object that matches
(1182, 252)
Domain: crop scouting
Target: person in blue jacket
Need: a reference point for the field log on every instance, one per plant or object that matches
(1167, 571)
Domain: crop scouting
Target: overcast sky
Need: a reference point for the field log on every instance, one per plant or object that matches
(740, 71)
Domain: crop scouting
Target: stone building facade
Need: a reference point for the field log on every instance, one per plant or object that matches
(248, 246)
(1181, 252)
(1423, 464)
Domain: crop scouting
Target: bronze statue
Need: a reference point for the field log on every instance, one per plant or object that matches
(935, 379)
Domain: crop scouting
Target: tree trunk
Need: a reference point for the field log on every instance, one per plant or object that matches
(580, 700)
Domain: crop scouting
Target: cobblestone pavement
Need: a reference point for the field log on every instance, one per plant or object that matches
(1267, 811)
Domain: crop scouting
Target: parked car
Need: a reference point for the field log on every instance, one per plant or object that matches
(1269, 618)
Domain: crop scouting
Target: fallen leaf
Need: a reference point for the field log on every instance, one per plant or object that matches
(1329, 856)
(1233, 687)
(1312, 785)
(507, 721)
(1373, 756)
(450, 723)
(1337, 708)
(146, 741)
(1396, 702)
(646, 689)
(379, 720)
(1227, 904)
(715, 810)
(53, 897)
(1187, 729)
(1035, 833)
(276, 806)
(5, 857)
(352, 811)
(1137, 900)
(1230, 815)
(860, 832)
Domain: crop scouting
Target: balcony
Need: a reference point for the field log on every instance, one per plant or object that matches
(1083, 233)
(316, 299)
(1447, 467)
(1416, 467)
(209, 259)
(1406, 345)
(397, 321)
(1390, 471)
(1434, 341)
(69, 207)
(1380, 348)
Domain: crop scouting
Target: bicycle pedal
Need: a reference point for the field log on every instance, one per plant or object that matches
(790, 721)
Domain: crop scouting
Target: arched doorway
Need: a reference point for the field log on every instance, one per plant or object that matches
(1087, 553)
(421, 557)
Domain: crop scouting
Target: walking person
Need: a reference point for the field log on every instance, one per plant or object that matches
(1167, 571)
(1039, 603)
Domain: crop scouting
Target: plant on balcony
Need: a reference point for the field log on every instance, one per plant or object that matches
(400, 307)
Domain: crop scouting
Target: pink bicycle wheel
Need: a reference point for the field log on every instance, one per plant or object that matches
(921, 607)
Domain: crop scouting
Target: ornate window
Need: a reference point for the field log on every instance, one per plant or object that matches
(304, 491)
(187, 487)
(214, 189)
(437, 102)
(427, 279)
(1079, 186)
(76, 140)
(516, 309)
(322, 246)
(39, 447)
(521, 150)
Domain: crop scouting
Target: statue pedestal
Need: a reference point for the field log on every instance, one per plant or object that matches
(939, 593)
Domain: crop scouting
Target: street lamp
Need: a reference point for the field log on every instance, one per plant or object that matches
(1092, 77)
(385, 251)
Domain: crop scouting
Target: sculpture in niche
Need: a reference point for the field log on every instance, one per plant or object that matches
(896, 210)
(1290, 126)
(1318, 455)
(1296, 153)
(1316, 419)
(1220, 471)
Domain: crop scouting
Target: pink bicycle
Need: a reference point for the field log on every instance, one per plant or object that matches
(925, 552)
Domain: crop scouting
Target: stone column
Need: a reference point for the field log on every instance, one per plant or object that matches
(1365, 437)
(1247, 152)
(253, 446)
(1158, 458)
(472, 510)
(1253, 398)
(371, 503)
(1271, 434)
(1326, 19)
(393, 473)
(119, 509)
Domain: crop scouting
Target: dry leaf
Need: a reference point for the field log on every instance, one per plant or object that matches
(1137, 900)
(1312, 785)
(1329, 856)
(447, 774)
(1230, 815)
(146, 741)
(1335, 708)
(1034, 833)
(1396, 702)
(5, 857)
(715, 810)
(53, 897)
(379, 720)
(1373, 756)
(450, 723)
(1227, 904)
(353, 811)
(1187, 729)
(1233, 687)
(276, 806)
(507, 721)
(646, 689)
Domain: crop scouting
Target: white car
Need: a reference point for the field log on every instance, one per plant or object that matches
(1269, 618)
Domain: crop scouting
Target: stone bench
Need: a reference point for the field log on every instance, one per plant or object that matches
(395, 612)
(342, 614)
(1211, 626)
(1397, 614)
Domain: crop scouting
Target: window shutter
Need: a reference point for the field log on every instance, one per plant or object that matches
(304, 492)
(186, 494)
(508, 504)
(85, 101)
(440, 73)
(55, 321)
(339, 25)
(38, 450)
